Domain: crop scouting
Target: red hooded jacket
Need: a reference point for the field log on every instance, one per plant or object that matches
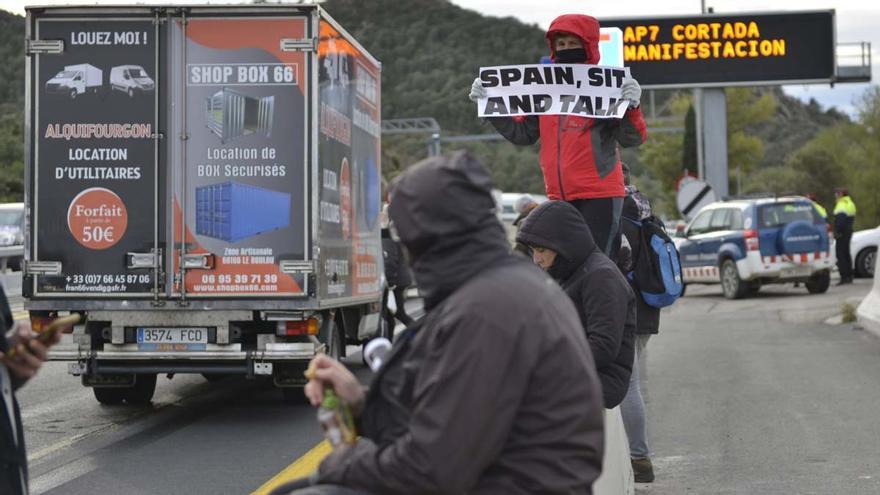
(579, 156)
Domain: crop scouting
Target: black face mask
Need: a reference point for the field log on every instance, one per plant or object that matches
(571, 56)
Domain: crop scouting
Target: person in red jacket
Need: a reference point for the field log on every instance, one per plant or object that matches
(579, 157)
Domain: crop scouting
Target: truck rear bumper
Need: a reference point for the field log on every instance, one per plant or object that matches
(129, 352)
(127, 359)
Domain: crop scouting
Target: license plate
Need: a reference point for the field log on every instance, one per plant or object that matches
(798, 271)
(172, 338)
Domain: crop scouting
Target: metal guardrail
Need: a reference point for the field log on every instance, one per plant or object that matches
(9, 252)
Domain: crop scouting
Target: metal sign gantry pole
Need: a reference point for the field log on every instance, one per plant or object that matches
(710, 108)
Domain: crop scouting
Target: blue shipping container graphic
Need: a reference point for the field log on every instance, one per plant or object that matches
(232, 211)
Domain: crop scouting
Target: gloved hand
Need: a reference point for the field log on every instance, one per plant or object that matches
(631, 91)
(477, 90)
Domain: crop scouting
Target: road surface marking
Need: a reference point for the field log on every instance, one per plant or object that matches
(65, 443)
(302, 467)
(61, 475)
(20, 315)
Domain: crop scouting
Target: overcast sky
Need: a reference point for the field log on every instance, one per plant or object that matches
(857, 20)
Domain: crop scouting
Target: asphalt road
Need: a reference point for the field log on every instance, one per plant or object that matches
(750, 396)
(760, 396)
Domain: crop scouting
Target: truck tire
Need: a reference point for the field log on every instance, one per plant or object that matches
(130, 93)
(819, 282)
(732, 286)
(109, 396)
(866, 262)
(143, 389)
(72, 94)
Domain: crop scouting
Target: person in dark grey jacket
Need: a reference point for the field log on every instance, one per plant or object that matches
(494, 391)
(397, 279)
(636, 208)
(564, 247)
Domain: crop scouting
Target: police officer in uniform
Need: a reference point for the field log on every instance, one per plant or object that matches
(844, 220)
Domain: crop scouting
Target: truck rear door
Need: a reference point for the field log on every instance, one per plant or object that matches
(93, 186)
(240, 156)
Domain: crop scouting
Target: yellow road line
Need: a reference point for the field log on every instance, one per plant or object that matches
(20, 315)
(302, 467)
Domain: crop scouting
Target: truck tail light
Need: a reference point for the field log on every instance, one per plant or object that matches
(751, 237)
(298, 327)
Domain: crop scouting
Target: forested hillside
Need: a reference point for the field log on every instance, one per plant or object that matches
(11, 106)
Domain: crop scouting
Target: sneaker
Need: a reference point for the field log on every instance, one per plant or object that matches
(643, 470)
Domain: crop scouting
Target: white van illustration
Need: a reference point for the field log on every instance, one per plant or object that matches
(130, 79)
(75, 80)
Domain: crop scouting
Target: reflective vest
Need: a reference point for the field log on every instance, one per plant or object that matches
(846, 206)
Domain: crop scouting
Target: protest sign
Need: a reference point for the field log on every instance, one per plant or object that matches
(553, 89)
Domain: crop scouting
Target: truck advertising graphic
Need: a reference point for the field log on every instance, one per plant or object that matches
(205, 192)
(96, 162)
(131, 80)
(246, 113)
(350, 178)
(230, 114)
(75, 80)
(232, 211)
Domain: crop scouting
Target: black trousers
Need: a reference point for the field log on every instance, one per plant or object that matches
(400, 314)
(844, 260)
(603, 217)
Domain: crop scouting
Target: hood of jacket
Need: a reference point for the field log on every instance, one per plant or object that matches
(559, 226)
(444, 213)
(584, 27)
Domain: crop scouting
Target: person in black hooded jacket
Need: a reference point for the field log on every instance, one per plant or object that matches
(494, 390)
(602, 296)
(15, 372)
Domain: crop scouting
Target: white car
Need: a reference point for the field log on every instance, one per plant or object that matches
(863, 249)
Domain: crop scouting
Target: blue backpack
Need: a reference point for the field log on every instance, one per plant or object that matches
(657, 269)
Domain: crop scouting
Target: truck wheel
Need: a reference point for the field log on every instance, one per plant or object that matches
(143, 389)
(819, 282)
(130, 93)
(866, 261)
(733, 286)
(109, 396)
(72, 94)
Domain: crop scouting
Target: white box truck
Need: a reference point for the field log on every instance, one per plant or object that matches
(131, 79)
(75, 80)
(132, 213)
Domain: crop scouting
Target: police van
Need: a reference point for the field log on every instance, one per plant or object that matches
(745, 243)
